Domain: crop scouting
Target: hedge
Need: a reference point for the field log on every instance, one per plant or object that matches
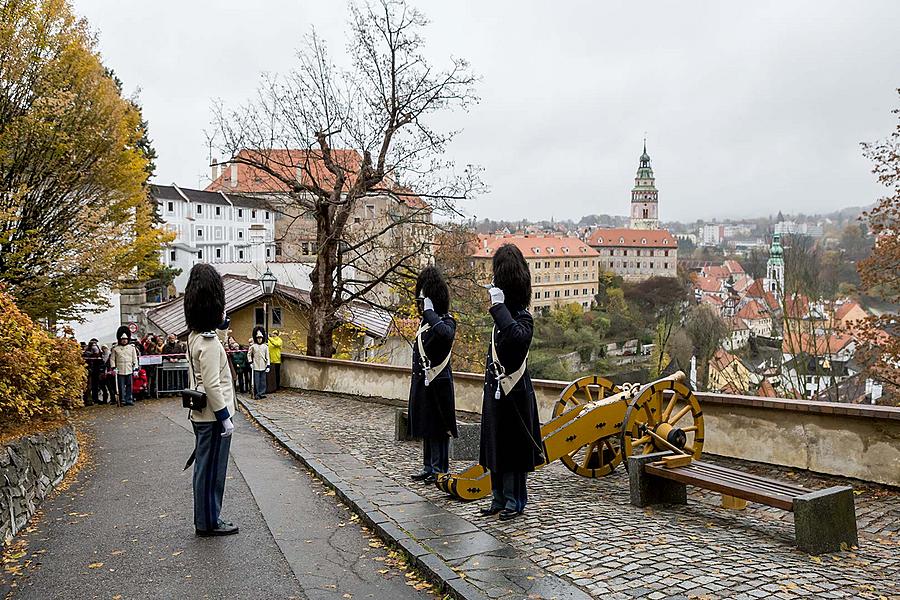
(40, 374)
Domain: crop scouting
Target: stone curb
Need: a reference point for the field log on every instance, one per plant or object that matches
(426, 561)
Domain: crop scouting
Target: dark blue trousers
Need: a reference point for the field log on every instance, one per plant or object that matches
(210, 465)
(509, 491)
(125, 392)
(436, 455)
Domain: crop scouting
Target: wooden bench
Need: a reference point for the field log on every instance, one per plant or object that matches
(824, 520)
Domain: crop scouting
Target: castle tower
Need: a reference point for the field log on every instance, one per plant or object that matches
(775, 268)
(644, 196)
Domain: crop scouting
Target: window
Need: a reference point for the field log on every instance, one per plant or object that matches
(567, 293)
(218, 211)
(547, 264)
(651, 265)
(304, 248)
(276, 316)
(268, 253)
(610, 264)
(170, 206)
(218, 253)
(240, 213)
(646, 214)
(567, 264)
(575, 292)
(259, 316)
(199, 254)
(537, 295)
(666, 253)
(199, 232)
(584, 264)
(556, 264)
(666, 265)
(240, 255)
(537, 265)
(546, 294)
(584, 291)
(624, 252)
(240, 234)
(267, 215)
(172, 255)
(199, 209)
(556, 294)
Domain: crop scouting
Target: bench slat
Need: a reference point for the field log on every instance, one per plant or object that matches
(757, 478)
(711, 482)
(751, 480)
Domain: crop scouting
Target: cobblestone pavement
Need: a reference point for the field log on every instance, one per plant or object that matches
(586, 531)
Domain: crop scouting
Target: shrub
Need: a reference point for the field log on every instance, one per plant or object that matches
(40, 374)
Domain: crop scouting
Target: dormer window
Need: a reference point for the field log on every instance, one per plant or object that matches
(665, 241)
(551, 249)
(644, 241)
(621, 240)
(536, 250)
(565, 249)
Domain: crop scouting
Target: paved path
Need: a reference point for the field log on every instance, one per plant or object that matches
(586, 531)
(123, 529)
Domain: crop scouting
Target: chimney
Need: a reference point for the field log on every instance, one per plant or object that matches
(214, 170)
(234, 175)
(257, 235)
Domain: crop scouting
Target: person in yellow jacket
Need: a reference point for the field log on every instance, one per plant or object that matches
(275, 344)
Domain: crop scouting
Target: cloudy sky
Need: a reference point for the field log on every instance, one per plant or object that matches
(749, 108)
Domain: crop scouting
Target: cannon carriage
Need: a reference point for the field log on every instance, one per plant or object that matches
(597, 425)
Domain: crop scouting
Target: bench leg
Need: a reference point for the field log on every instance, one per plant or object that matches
(646, 490)
(825, 519)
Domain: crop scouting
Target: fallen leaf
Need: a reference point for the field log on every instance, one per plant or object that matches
(96, 565)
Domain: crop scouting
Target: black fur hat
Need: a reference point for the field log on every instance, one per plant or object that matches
(431, 284)
(511, 274)
(204, 299)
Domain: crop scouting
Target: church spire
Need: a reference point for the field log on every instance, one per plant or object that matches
(644, 196)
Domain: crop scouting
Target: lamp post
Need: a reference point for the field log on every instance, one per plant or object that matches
(267, 282)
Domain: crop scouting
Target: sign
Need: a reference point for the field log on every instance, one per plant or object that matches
(132, 327)
(150, 359)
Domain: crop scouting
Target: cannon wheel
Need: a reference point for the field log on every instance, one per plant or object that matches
(651, 411)
(599, 458)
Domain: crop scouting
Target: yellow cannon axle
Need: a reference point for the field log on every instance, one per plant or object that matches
(596, 424)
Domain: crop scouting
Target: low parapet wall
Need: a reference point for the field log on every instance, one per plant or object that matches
(31, 466)
(839, 439)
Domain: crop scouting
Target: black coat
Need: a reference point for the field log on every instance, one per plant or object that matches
(432, 408)
(510, 426)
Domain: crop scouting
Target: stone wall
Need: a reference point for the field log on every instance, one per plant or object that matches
(839, 439)
(30, 468)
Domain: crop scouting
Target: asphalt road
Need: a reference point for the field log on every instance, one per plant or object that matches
(123, 529)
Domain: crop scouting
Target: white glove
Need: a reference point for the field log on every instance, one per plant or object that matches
(497, 296)
(267, 369)
(228, 426)
(427, 304)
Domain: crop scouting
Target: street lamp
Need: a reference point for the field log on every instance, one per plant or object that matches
(267, 282)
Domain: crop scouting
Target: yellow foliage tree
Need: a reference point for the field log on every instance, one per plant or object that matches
(74, 211)
(40, 375)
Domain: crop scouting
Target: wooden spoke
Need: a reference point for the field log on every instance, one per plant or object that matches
(668, 410)
(587, 454)
(640, 440)
(677, 416)
(587, 392)
(691, 428)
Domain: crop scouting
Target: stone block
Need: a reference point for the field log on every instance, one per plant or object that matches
(467, 445)
(401, 425)
(646, 490)
(824, 520)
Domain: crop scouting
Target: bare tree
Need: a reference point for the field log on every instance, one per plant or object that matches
(361, 133)
(707, 330)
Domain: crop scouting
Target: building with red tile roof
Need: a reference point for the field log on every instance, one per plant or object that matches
(564, 269)
(636, 254)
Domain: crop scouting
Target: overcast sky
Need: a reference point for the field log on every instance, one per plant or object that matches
(749, 107)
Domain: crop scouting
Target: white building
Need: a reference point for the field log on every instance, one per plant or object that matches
(213, 227)
(711, 235)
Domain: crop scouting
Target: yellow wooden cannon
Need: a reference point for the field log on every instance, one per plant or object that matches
(597, 424)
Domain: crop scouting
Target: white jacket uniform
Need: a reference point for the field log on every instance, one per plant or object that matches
(213, 376)
(259, 357)
(124, 359)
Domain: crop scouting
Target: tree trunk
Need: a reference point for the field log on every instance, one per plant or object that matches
(322, 323)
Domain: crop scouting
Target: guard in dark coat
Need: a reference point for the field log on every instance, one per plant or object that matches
(432, 405)
(511, 444)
